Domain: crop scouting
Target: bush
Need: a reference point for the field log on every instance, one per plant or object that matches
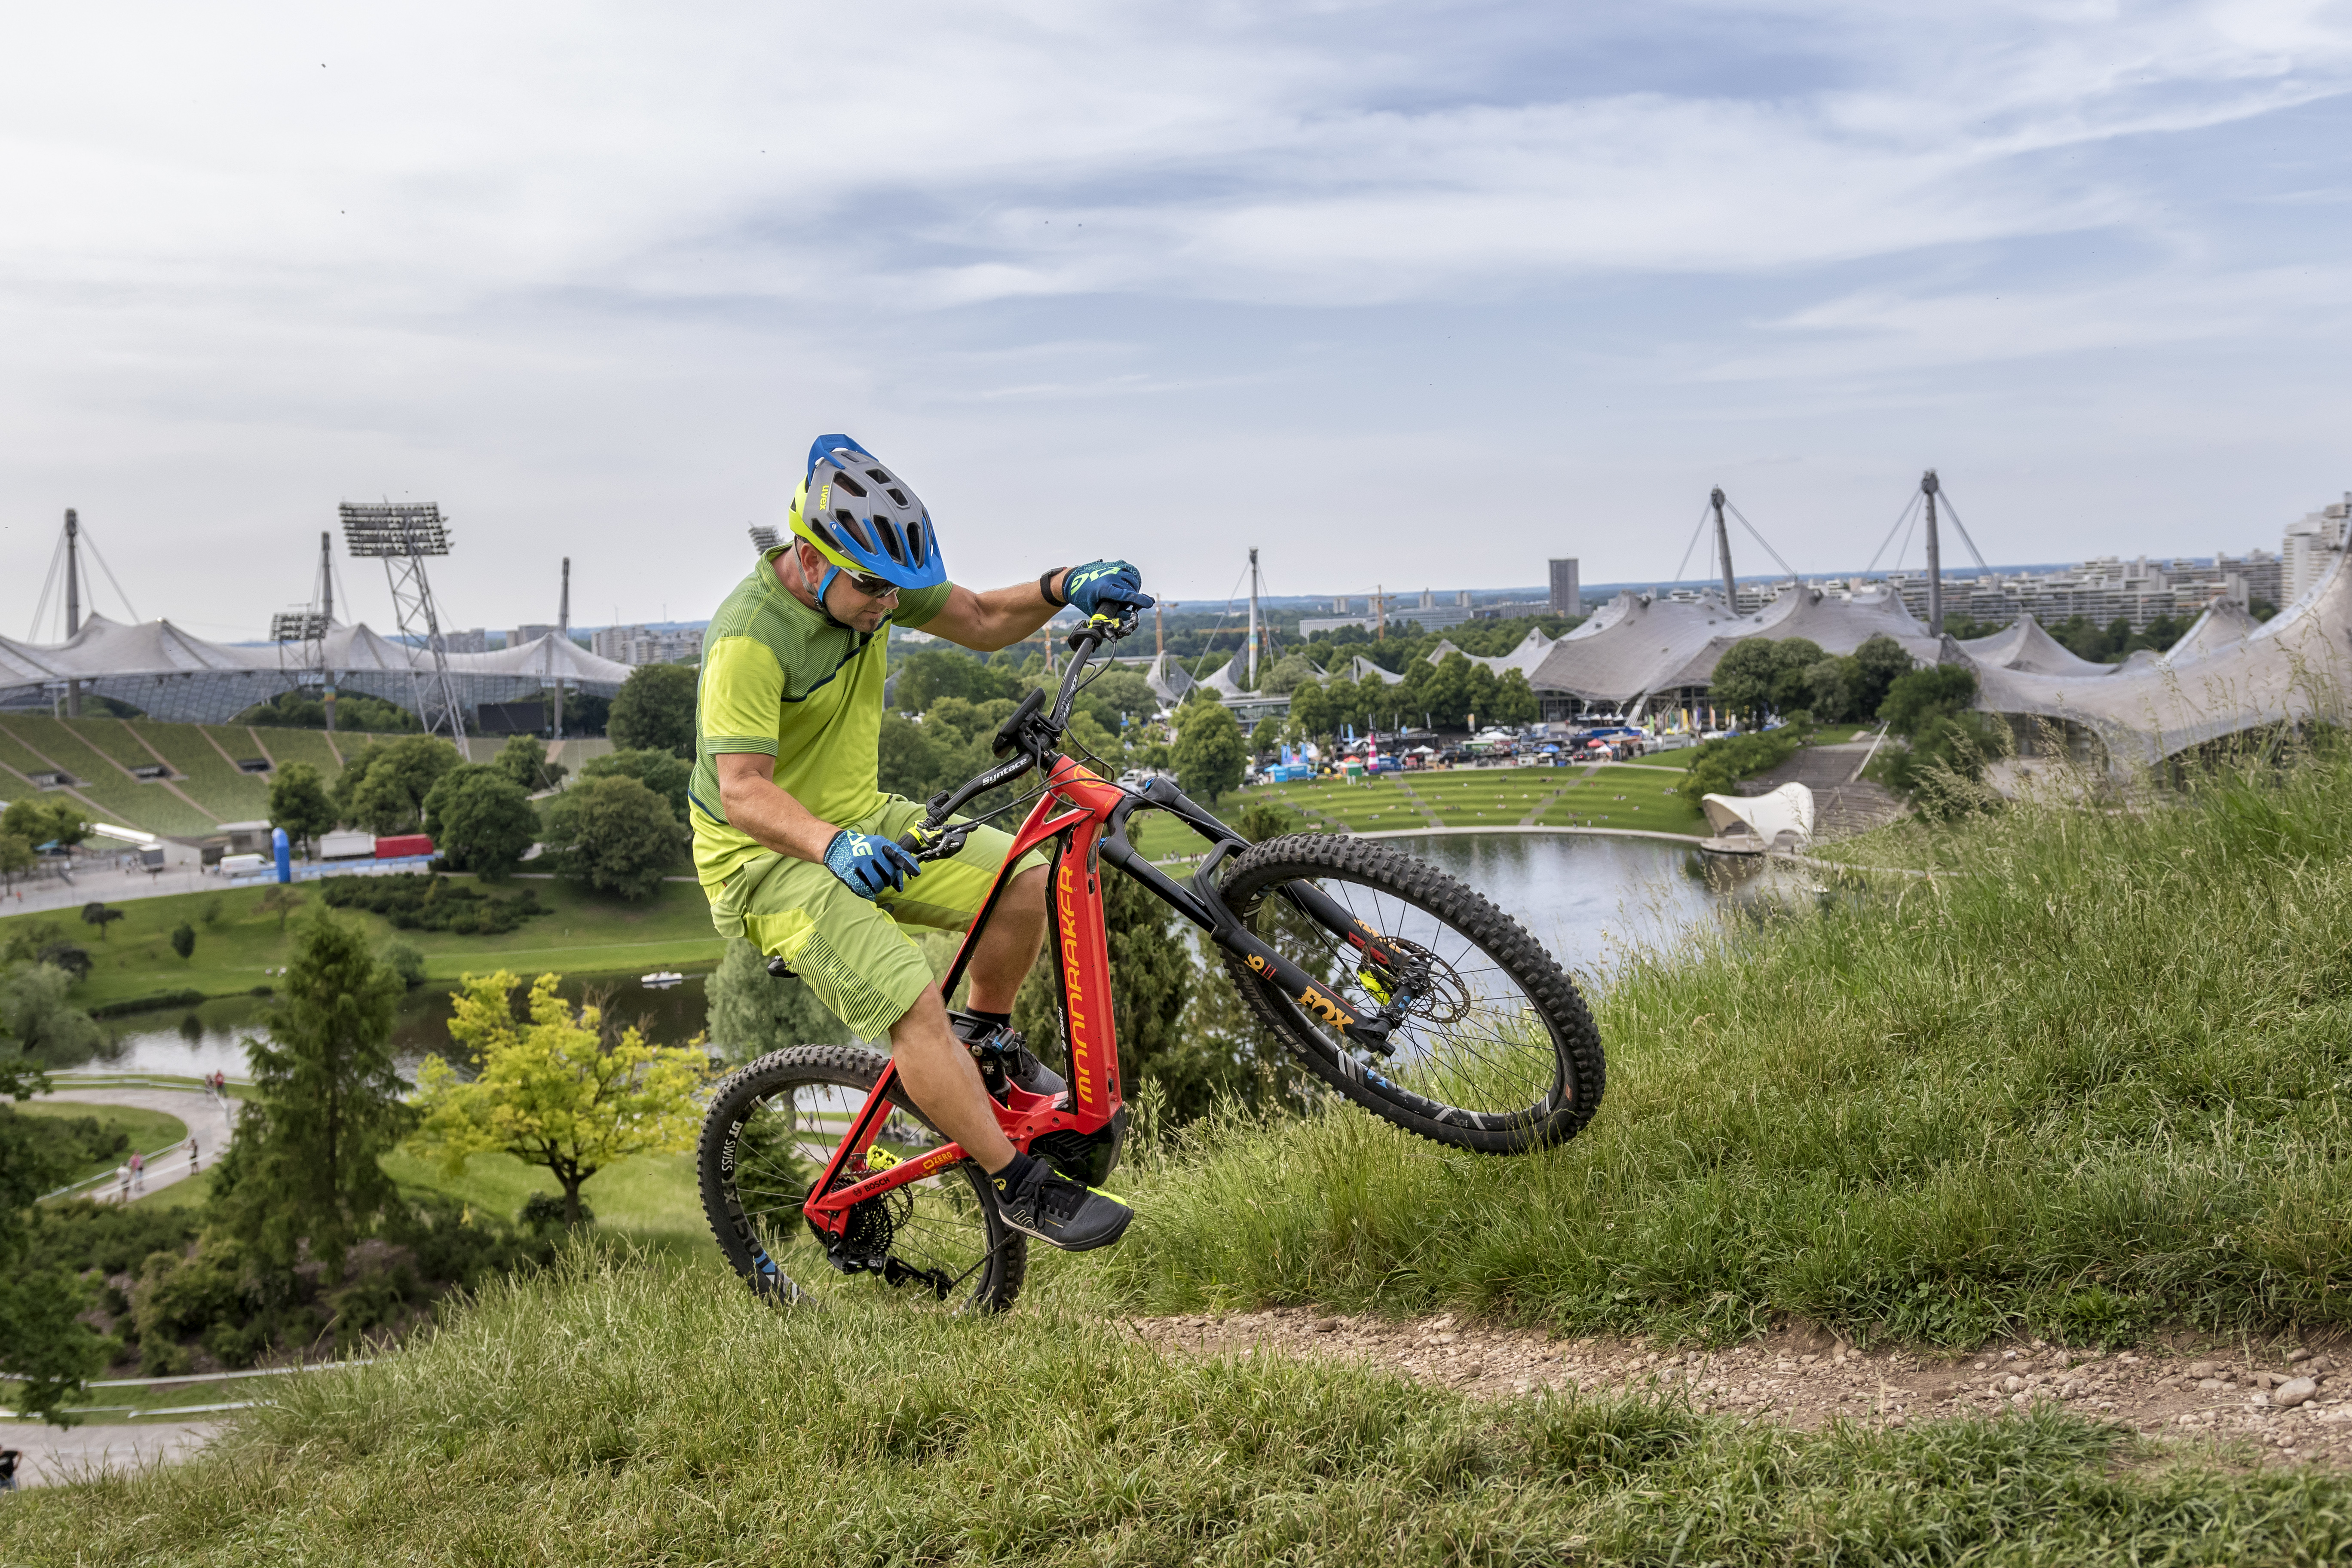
(1717, 765)
(660, 771)
(403, 960)
(543, 1212)
(413, 900)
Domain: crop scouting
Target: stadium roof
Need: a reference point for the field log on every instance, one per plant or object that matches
(175, 675)
(2226, 674)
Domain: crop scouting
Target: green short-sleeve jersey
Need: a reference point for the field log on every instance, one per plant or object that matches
(780, 679)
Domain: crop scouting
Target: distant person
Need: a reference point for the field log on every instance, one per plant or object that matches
(139, 1170)
(8, 1461)
(192, 1155)
(122, 1174)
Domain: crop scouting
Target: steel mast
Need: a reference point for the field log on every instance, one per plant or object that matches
(1723, 552)
(403, 536)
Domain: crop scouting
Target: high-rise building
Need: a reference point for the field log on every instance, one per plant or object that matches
(523, 635)
(1566, 596)
(2303, 554)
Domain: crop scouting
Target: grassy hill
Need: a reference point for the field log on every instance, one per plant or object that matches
(627, 1411)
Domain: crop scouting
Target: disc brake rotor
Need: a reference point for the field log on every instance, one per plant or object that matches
(1439, 994)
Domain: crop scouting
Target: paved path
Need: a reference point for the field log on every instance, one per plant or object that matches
(207, 1119)
(57, 1455)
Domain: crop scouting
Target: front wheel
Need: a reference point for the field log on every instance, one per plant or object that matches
(770, 1132)
(1492, 1051)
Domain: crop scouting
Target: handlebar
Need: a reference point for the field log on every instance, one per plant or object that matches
(1024, 732)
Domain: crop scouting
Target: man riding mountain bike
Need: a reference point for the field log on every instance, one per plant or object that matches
(796, 844)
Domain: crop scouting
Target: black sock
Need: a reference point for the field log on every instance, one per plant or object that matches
(1014, 1177)
(1001, 1020)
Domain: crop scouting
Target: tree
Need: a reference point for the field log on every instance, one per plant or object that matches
(101, 917)
(1311, 710)
(325, 1107)
(184, 941)
(1209, 754)
(660, 771)
(49, 1350)
(1919, 698)
(16, 857)
(753, 1013)
(1876, 665)
(615, 835)
(1289, 673)
(524, 760)
(556, 1092)
(481, 821)
(654, 710)
(37, 1020)
(1758, 674)
(922, 678)
(299, 804)
(39, 822)
(280, 899)
(384, 785)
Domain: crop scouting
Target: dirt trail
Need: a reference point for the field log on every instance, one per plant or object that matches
(2290, 1404)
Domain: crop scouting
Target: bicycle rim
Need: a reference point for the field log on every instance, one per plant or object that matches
(1494, 1050)
(937, 1243)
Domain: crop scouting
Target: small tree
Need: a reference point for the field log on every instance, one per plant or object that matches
(1208, 750)
(299, 804)
(481, 821)
(655, 709)
(326, 1107)
(615, 835)
(555, 1092)
(101, 917)
(280, 899)
(184, 941)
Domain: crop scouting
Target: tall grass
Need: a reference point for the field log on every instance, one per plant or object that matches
(645, 1412)
(2088, 1078)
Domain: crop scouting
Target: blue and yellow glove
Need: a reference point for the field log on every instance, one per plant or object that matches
(867, 863)
(1105, 587)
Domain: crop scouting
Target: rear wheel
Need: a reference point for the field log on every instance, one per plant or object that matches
(1492, 1051)
(771, 1130)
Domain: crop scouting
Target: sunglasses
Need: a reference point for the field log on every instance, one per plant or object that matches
(872, 587)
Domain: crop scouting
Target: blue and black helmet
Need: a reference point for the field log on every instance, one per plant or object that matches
(864, 520)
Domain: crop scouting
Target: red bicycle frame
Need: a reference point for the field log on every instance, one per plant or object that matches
(1075, 802)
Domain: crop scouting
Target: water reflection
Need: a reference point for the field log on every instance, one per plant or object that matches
(210, 1037)
(1590, 899)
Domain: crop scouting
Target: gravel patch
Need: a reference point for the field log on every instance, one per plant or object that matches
(2287, 1402)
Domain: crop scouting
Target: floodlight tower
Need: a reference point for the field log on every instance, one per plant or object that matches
(304, 632)
(402, 536)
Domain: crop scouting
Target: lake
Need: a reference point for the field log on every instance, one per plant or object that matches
(1588, 898)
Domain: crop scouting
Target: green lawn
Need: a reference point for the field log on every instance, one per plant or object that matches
(208, 778)
(1624, 796)
(282, 746)
(149, 1129)
(583, 931)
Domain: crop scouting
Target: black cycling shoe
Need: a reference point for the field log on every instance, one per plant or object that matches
(1061, 1212)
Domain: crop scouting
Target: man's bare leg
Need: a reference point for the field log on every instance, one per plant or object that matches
(941, 1079)
(935, 1067)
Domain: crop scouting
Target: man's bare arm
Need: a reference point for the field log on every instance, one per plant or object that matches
(998, 619)
(755, 803)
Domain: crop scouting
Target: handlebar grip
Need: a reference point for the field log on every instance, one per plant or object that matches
(1008, 733)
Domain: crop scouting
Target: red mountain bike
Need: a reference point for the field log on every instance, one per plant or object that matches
(1391, 982)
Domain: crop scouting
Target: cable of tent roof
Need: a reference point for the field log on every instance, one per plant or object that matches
(1683, 564)
(1901, 518)
(1758, 538)
(1954, 513)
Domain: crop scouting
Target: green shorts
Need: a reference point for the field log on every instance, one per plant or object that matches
(854, 956)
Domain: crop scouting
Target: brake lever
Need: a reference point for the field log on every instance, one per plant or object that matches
(933, 844)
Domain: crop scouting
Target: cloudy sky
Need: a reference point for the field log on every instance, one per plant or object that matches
(1413, 294)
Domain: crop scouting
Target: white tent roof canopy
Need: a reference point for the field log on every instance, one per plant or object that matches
(1786, 811)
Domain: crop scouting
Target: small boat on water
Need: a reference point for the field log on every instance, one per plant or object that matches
(662, 979)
